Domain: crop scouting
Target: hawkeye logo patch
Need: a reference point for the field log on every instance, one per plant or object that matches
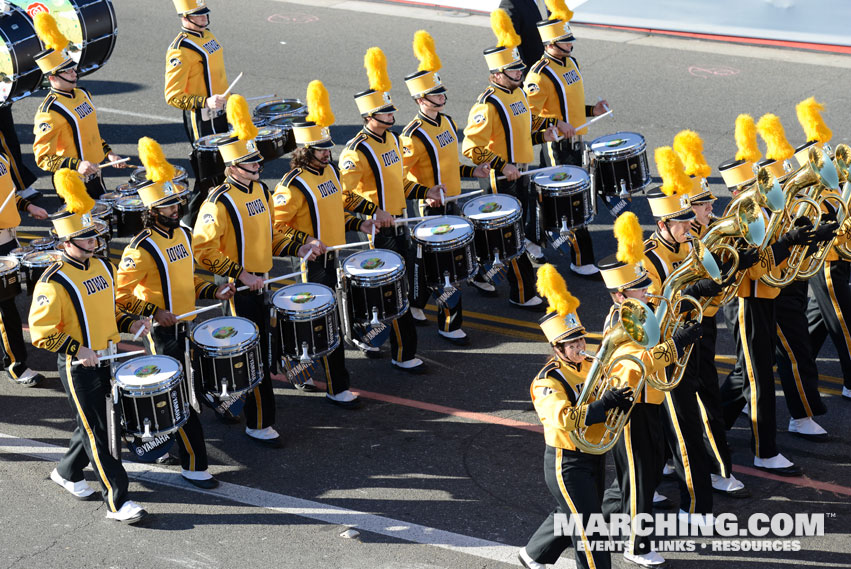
(128, 263)
(174, 61)
(479, 118)
(280, 199)
(44, 127)
(207, 219)
(532, 88)
(348, 165)
(42, 300)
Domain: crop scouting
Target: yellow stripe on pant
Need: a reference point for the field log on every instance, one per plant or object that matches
(588, 551)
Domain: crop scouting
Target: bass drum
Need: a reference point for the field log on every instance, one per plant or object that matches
(19, 74)
(88, 24)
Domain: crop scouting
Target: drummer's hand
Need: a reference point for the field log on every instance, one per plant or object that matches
(216, 102)
(226, 291)
(320, 247)
(165, 318)
(308, 252)
(253, 282)
(510, 172)
(87, 357)
(368, 226)
(142, 327)
(565, 129)
(600, 107)
(551, 134)
(383, 219)
(482, 170)
(36, 212)
(433, 196)
(112, 157)
(87, 168)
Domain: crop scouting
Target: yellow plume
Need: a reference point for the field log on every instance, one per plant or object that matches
(746, 139)
(809, 115)
(771, 130)
(48, 32)
(424, 50)
(240, 119)
(503, 29)
(689, 146)
(319, 104)
(157, 168)
(551, 286)
(72, 190)
(670, 167)
(558, 10)
(376, 69)
(630, 238)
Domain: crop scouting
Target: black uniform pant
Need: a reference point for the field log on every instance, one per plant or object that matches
(197, 128)
(796, 362)
(403, 334)
(192, 449)
(11, 147)
(560, 153)
(639, 457)
(87, 389)
(576, 481)
(260, 402)
(755, 330)
(709, 402)
(323, 271)
(12, 330)
(827, 311)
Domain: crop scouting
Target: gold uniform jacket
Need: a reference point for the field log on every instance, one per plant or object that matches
(157, 270)
(430, 155)
(9, 216)
(662, 258)
(555, 90)
(371, 169)
(74, 304)
(66, 131)
(194, 70)
(310, 202)
(554, 393)
(502, 130)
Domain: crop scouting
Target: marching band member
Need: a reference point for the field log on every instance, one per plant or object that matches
(555, 90)
(309, 200)
(639, 453)
(371, 168)
(10, 146)
(430, 159)
(195, 79)
(74, 314)
(233, 238)
(66, 124)
(156, 278)
(575, 479)
(501, 131)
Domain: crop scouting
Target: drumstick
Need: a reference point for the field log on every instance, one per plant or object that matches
(227, 91)
(371, 236)
(192, 313)
(348, 245)
(410, 219)
(605, 106)
(467, 195)
(595, 119)
(530, 172)
(442, 201)
(114, 162)
(261, 97)
(272, 280)
(303, 267)
(139, 332)
(113, 357)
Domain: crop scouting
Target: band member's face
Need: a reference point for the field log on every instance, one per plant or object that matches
(566, 47)
(322, 155)
(66, 79)
(81, 249)
(678, 230)
(636, 293)
(702, 211)
(571, 351)
(171, 211)
(197, 22)
(433, 102)
(515, 75)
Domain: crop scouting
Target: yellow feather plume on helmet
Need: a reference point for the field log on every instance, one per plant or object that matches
(558, 10)
(771, 130)
(48, 32)
(240, 118)
(375, 63)
(670, 167)
(746, 139)
(809, 115)
(503, 29)
(72, 190)
(157, 168)
(630, 238)
(551, 286)
(319, 104)
(689, 146)
(424, 51)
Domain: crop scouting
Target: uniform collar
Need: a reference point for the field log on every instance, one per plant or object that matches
(378, 137)
(571, 365)
(238, 185)
(168, 233)
(82, 265)
(671, 246)
(313, 170)
(433, 122)
(192, 32)
(559, 60)
(501, 88)
(69, 94)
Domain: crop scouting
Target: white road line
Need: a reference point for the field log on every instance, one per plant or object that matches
(157, 118)
(291, 505)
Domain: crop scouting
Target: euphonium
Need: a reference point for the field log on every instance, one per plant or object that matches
(842, 159)
(636, 323)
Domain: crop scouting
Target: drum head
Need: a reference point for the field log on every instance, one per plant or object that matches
(211, 141)
(147, 372)
(8, 264)
(618, 144)
(129, 203)
(269, 132)
(283, 107)
(562, 177)
(373, 263)
(491, 207)
(21, 252)
(224, 332)
(138, 175)
(442, 229)
(43, 243)
(303, 297)
(41, 258)
(101, 209)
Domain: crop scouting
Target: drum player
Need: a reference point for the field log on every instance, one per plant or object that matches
(156, 278)
(71, 294)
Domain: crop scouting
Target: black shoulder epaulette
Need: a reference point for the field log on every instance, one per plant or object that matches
(216, 193)
(483, 98)
(552, 365)
(46, 103)
(650, 244)
(289, 176)
(141, 236)
(541, 63)
(50, 271)
(412, 126)
(353, 143)
(177, 41)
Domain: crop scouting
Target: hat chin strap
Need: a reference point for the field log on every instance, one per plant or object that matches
(80, 247)
(385, 123)
(323, 163)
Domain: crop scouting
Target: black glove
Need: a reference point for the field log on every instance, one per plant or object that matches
(704, 288)
(828, 216)
(825, 232)
(620, 398)
(685, 337)
(801, 235)
(748, 258)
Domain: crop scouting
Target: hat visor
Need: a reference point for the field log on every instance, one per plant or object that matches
(385, 109)
(247, 159)
(687, 215)
(174, 199)
(570, 336)
(66, 65)
(515, 65)
(439, 90)
(325, 144)
(643, 283)
(198, 12)
(708, 198)
(82, 234)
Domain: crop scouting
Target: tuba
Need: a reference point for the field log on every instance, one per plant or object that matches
(636, 323)
(842, 159)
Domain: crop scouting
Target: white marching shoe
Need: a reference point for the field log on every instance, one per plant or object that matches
(418, 314)
(730, 486)
(807, 428)
(777, 464)
(527, 561)
(649, 559)
(80, 490)
(128, 513)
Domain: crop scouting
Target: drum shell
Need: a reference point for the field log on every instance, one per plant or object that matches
(319, 328)
(167, 408)
(271, 144)
(459, 263)
(10, 279)
(628, 165)
(574, 207)
(129, 220)
(19, 36)
(507, 240)
(207, 159)
(241, 365)
(285, 123)
(33, 271)
(390, 298)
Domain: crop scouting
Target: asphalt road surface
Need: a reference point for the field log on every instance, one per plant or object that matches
(440, 470)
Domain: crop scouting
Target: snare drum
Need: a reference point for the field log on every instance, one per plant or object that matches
(498, 220)
(620, 164)
(34, 264)
(44, 243)
(207, 157)
(103, 212)
(564, 198)
(308, 322)
(129, 216)
(126, 189)
(270, 141)
(20, 252)
(286, 126)
(153, 396)
(109, 198)
(279, 108)
(10, 277)
(138, 176)
(18, 47)
(448, 253)
(226, 355)
(375, 283)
